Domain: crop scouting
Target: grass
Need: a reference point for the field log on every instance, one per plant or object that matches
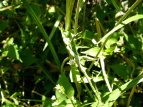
(95, 59)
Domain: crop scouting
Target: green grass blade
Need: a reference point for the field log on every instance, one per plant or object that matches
(111, 97)
(108, 35)
(104, 74)
(43, 69)
(32, 13)
(80, 4)
(69, 8)
(129, 11)
(53, 30)
(115, 5)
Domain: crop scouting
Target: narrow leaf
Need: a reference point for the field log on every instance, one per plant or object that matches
(112, 97)
(32, 13)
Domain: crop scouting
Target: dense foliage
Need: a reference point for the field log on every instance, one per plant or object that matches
(71, 53)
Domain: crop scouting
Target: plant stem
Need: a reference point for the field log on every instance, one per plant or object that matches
(76, 56)
(130, 96)
(129, 11)
(32, 13)
(53, 30)
(69, 8)
(104, 74)
(108, 35)
(78, 9)
(76, 17)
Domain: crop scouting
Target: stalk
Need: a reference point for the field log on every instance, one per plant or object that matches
(129, 11)
(32, 13)
(69, 8)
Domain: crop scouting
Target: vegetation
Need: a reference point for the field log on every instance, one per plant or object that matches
(71, 53)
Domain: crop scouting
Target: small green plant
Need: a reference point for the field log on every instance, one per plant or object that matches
(92, 56)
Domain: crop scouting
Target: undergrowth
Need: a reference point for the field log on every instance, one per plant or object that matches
(73, 53)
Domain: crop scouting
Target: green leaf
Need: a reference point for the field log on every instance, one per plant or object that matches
(96, 104)
(27, 57)
(112, 40)
(91, 51)
(110, 50)
(108, 35)
(9, 103)
(64, 90)
(10, 41)
(110, 98)
(13, 52)
(3, 70)
(133, 42)
(129, 20)
(15, 96)
(88, 36)
(37, 21)
(4, 53)
(74, 74)
(3, 25)
(47, 101)
(122, 71)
